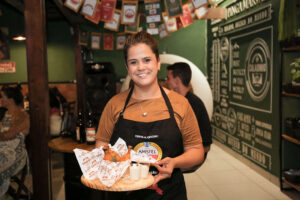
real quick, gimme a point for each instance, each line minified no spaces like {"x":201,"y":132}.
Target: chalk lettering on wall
{"x":224,"y":49}
{"x":251,"y":83}
{"x":256,"y":155}
{"x":218,"y":116}
{"x":231,"y":121}
{"x":215,"y":69}
{"x":224,"y":137}
{"x":241,"y":6}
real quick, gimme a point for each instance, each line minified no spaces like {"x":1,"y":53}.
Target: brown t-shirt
{"x":156,"y":109}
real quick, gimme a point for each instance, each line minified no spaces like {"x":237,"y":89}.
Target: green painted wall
{"x":60,"y":52}
{"x":60,"y":48}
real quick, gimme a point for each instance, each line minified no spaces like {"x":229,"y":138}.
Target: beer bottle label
{"x":90,"y":134}
{"x":77,"y":133}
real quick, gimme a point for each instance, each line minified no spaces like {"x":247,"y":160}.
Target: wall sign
{"x":7,"y":67}
{"x":241,"y":75}
{"x":250,"y":72}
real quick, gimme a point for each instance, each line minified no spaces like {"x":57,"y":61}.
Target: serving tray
{"x":124,"y":184}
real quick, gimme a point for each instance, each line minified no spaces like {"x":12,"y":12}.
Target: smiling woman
{"x":153,"y":119}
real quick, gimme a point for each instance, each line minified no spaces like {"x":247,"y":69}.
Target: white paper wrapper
{"x":89,"y":161}
{"x":120,"y":147}
{"x":141,"y":157}
{"x":110,"y":172}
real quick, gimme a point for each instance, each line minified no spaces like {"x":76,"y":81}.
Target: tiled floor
{"x":221,"y":177}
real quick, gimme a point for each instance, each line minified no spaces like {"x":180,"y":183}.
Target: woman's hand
{"x":165,"y":168}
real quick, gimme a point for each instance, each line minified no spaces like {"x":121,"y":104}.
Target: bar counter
{"x":67,"y":145}
{"x":74,"y":189}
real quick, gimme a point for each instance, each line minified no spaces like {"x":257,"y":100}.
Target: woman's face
{"x":142,"y":65}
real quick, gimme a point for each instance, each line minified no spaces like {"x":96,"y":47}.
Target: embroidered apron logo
{"x":149,"y":148}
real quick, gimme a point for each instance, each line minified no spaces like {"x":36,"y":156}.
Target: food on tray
{"x":127,"y":155}
{"x":110,"y":154}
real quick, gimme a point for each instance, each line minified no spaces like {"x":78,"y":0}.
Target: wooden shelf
{"x":292,"y":48}
{"x":296,"y":186}
{"x":290,"y":94}
{"x":292,"y":44}
{"x":291,"y":139}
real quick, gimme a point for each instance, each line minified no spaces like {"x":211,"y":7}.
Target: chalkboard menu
{"x":242,"y":55}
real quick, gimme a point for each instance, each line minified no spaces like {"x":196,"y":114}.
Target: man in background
{"x":178,"y":79}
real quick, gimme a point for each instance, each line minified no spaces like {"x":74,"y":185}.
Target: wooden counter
{"x":74,"y":189}
{"x":66,"y":145}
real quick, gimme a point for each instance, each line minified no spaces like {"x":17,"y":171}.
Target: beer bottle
{"x":90,"y":129}
{"x":26,"y":103}
{"x":80,"y":131}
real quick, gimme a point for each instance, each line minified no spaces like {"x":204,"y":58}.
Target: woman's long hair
{"x":14,"y":93}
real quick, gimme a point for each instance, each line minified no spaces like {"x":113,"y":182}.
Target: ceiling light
{"x":19,"y":38}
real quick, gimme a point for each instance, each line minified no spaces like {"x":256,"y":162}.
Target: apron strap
{"x":167,"y":102}
{"x":127,"y":100}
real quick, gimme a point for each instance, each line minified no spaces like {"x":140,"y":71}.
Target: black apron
{"x":159,"y":139}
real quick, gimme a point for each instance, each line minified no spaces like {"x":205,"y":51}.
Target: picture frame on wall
{"x":73,"y":5}
{"x":186,"y":17}
{"x":107,"y":10}
{"x":108,"y":41}
{"x":129,"y":12}
{"x":163,"y":31}
{"x":153,"y":11}
{"x":201,"y":12}
{"x":89,"y":7}
{"x":95,"y":40}
{"x":173,"y":7}
{"x":97,"y":14}
{"x":121,"y":38}
{"x":192,"y":9}
{"x":199,"y":3}
{"x":152,"y":28}
{"x":115,"y":23}
{"x":170,"y":23}
{"x":179,"y":23}
{"x":133,"y":28}
{"x":83,"y":38}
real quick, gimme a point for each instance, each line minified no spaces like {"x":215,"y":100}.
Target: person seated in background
{"x":13,"y":129}
{"x":56,"y":110}
{"x":178,"y":79}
